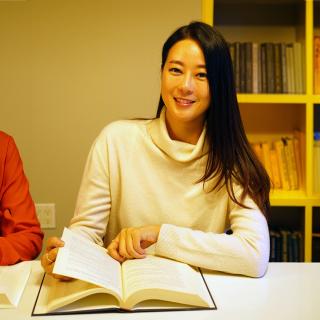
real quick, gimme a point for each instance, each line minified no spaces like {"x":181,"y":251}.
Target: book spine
{"x":290,"y":71}
{"x":275,"y":169}
{"x":292,"y":164}
{"x":282,"y":163}
{"x":284,"y":68}
{"x":255,"y":69}
{"x":272,"y":246}
{"x":277,"y":68}
{"x":242,"y":68}
{"x":297,"y":66}
{"x":257,"y":148}
{"x":270,"y":68}
{"x":248,"y":75}
{"x":266,"y":158}
{"x":297,"y":155}
{"x":263,"y":68}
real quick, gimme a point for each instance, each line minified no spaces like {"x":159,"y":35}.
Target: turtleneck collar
{"x":177,"y":150}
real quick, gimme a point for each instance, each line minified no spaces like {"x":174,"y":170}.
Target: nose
{"x":187,"y":84}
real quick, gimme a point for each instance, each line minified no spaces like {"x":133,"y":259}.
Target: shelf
{"x":295,"y":198}
{"x":275,"y":98}
{"x":316,"y":98}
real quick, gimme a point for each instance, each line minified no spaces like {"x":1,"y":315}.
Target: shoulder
{"x":7,"y":144}
{"x":4,"y":138}
{"x":123,"y":130}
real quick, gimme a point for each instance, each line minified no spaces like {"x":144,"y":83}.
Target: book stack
{"x":282,"y":161}
{"x":268,"y":67}
{"x":316,"y":162}
{"x":286,"y":246}
{"x":316,"y":64}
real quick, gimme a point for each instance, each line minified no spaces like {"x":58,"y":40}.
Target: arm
{"x":20,"y":233}
{"x":94,"y":201}
{"x":92,"y":208}
{"x":245,"y":252}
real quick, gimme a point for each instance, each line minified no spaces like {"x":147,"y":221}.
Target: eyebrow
{"x":181,"y":63}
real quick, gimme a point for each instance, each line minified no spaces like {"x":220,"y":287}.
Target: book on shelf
{"x":275,"y":169}
{"x":297,"y":55}
{"x":277,"y":68}
{"x":283,"y":167}
{"x":102,"y":284}
{"x":266,"y":147}
{"x":13,"y":280}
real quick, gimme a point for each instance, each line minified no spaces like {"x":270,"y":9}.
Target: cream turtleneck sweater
{"x":136,"y":175}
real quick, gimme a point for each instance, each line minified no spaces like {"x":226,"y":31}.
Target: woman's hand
{"x":48,"y":259}
{"x":131,"y":242}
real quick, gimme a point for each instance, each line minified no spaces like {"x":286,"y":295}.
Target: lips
{"x":184,"y":102}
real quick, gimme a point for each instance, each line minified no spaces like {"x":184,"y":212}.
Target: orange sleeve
{"x":20,"y":233}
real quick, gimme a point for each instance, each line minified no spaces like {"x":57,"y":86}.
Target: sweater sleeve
{"x":20,"y":233}
{"x":94,"y":200}
{"x":245,"y":251}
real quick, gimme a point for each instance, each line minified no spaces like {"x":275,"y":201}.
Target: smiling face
{"x":184,"y":85}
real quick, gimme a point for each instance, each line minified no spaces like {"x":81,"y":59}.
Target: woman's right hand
{"x":49,"y":258}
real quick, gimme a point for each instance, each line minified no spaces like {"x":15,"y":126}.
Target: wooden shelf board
{"x":273,"y":98}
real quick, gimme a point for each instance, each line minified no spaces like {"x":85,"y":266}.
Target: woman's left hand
{"x":131,"y":242}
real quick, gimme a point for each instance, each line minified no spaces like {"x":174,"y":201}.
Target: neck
{"x":186,"y":132}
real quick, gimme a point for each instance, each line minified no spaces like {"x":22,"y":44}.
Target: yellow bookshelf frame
{"x":302,"y":198}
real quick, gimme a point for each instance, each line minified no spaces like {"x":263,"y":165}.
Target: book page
{"x":13,"y":280}
{"x":85,"y":260}
{"x":76,"y":295}
{"x":159,"y":278}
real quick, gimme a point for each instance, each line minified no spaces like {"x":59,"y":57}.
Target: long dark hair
{"x":230,"y":156}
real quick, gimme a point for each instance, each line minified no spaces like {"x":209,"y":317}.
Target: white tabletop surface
{"x":287,"y":291}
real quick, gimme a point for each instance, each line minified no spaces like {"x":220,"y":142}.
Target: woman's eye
{"x":202,"y":75}
{"x":175,"y":70}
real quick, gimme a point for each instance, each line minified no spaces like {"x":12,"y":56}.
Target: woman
{"x":180,"y":180}
{"x":20,"y":233}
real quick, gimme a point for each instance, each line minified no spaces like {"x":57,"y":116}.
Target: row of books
{"x":282,"y":161}
{"x":316,"y":42}
{"x":286,"y":246}
{"x":268,"y":67}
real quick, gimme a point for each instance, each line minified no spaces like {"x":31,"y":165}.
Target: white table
{"x":287,"y":291}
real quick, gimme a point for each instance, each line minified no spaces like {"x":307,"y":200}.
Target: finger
{"x":61,"y":278}
{"x":129,"y":243}
{"x":44,"y":262}
{"x":54,"y":242}
{"x":136,"y":243}
{"x":113,"y":251}
{"x":52,"y":254}
{"x":122,"y":245}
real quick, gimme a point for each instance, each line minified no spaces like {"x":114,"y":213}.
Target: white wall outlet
{"x":46,"y":215}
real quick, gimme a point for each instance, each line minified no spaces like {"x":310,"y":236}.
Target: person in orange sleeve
{"x":20,"y":232}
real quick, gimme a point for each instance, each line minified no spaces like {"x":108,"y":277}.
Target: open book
{"x":102,"y":284}
{"x":13,"y":280}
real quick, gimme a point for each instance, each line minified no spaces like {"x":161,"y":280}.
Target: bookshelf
{"x":275,"y":21}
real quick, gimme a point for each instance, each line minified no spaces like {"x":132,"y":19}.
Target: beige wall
{"x":69,"y":67}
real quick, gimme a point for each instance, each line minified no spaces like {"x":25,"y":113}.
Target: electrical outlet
{"x":46,"y":215}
